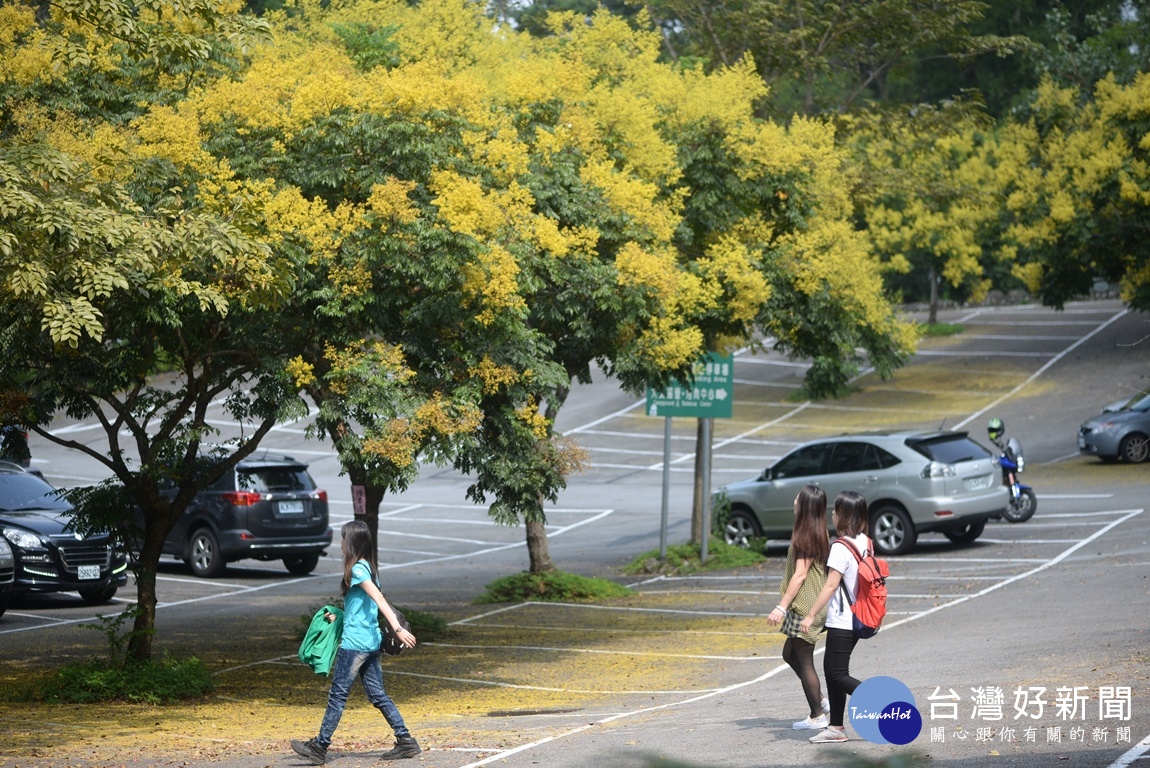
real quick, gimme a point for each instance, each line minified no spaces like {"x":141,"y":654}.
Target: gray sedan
{"x":914,"y":482}
{"x":1121,"y":431}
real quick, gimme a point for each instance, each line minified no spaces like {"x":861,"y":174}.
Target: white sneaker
{"x":829,"y":735}
{"x":812,"y":723}
{"x":826,"y":706}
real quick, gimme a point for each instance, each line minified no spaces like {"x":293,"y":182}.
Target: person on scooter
{"x":995,"y":429}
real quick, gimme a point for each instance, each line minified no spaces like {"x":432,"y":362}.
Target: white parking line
{"x":1137,"y":752}
{"x":597,"y":651}
{"x":1124,"y":762}
{"x":521,"y":687}
{"x":1045,"y":367}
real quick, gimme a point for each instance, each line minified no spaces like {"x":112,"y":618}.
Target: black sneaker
{"x":310,"y":749}
{"x":405,"y":746}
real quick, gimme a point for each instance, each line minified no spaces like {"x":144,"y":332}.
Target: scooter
{"x":1023,"y":503}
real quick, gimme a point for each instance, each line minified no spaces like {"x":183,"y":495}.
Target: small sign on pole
{"x":711,"y":396}
{"x":359,"y":500}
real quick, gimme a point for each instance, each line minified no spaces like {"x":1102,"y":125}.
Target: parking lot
{"x":512,"y":681}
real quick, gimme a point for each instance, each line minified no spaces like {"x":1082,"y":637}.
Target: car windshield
{"x":270,"y":479}
{"x":1140,"y":402}
{"x":950,"y":449}
{"x":21,"y":492}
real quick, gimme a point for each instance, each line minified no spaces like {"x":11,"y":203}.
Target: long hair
{"x":809,"y":537}
{"x":851,"y":509}
{"x":357,"y":545}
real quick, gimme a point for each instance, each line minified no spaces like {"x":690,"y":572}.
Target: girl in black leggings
{"x":850,"y":519}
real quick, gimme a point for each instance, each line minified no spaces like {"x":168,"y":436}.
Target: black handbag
{"x":391,"y":645}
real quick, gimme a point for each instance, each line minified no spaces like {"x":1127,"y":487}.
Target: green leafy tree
{"x":1076,"y":189}
{"x":818,"y":56}
{"x":116,"y":268}
{"x":926,"y":201}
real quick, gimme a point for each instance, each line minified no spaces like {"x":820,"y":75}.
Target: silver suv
{"x":914,"y":482}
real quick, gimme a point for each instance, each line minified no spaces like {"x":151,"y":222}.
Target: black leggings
{"x":800,"y":655}
{"x":837,"y":668}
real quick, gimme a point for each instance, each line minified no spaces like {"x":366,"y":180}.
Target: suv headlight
{"x":938,"y":469}
{"x":23,"y":539}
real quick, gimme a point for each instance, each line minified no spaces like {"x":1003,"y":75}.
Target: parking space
{"x":525,"y":673}
{"x":950,"y":381}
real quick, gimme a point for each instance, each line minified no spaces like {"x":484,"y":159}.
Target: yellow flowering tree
{"x":927,"y":196}
{"x":1075,"y":175}
{"x":116,"y":263}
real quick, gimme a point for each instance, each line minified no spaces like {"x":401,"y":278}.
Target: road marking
{"x":1137,"y":752}
{"x":1046,"y":366}
{"x":597,"y":651}
{"x":521,"y":687}
{"x":1123,"y":762}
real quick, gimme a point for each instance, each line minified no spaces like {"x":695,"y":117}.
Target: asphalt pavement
{"x":1027,"y":648}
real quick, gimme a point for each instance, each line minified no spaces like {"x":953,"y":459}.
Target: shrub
{"x":166,"y":681}
{"x":551,"y":586}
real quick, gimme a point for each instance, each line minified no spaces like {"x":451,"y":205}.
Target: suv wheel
{"x":892,"y":531}
{"x":965,"y":534}
{"x":741,"y":528}
{"x":98,"y":595}
{"x":301,"y":565}
{"x":204,"y":557}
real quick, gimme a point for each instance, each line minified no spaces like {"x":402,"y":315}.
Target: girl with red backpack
{"x":850,"y":521}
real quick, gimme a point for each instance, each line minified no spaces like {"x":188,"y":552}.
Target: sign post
{"x":711,"y":396}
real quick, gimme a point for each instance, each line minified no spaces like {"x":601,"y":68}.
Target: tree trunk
{"x":538,"y":551}
{"x":144,"y":628}
{"x":698,"y":500}
{"x":373,"y":497}
{"x":933,"y":318}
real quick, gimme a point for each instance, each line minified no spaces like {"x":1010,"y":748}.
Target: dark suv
{"x":47,"y":554}
{"x":267,"y":508}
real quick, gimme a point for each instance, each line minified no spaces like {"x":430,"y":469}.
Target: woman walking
{"x":803,"y":580}
{"x":358,"y":654}
{"x":850,"y":520}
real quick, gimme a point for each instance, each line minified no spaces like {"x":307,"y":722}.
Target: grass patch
{"x":931,"y":330}
{"x":164,"y":681}
{"x":553,"y":586}
{"x":684,"y":558}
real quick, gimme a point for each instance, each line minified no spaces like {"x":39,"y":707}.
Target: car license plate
{"x":291,"y":507}
{"x":1081,"y":441}
{"x":979,"y":483}
{"x":86,"y":572}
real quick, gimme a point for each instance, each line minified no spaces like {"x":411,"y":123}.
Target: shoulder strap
{"x":855,"y":550}
{"x":858,"y":557}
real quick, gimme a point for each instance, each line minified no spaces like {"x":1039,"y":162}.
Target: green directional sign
{"x":711,"y":397}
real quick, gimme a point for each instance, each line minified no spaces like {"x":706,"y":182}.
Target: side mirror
{"x":766,"y":475}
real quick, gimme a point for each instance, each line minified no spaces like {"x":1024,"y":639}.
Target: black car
{"x":48,"y":554}
{"x":267,"y":508}
{"x":7,"y":573}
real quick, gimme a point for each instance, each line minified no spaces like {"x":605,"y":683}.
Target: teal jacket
{"x":322,"y":639}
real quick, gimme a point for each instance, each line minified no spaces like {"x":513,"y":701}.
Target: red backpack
{"x":869,"y":606}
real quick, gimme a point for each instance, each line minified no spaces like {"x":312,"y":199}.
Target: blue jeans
{"x":364,"y":665}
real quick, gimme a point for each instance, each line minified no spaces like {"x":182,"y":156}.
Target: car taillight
{"x":319,"y":495}
{"x":938,"y":469}
{"x":240,"y":498}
